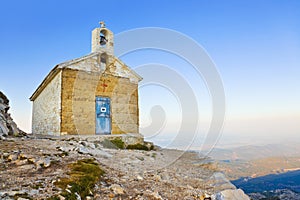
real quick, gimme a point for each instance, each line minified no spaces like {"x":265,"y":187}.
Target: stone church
{"x":93,"y":94}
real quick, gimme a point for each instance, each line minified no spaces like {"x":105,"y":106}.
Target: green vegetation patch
{"x":147,"y":146}
{"x":153,"y":155}
{"x":26,"y":196}
{"x":116,"y":143}
{"x":138,"y":146}
{"x":83,"y":176}
{"x":54,"y":198}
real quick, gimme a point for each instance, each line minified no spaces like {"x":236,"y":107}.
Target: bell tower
{"x":102,"y":40}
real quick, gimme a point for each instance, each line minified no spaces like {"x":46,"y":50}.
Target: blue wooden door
{"x":103,"y":121}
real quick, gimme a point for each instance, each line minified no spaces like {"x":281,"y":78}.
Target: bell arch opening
{"x":103,"y":38}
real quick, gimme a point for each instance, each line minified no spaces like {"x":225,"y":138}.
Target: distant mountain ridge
{"x":251,"y":152}
{"x":288,"y":180}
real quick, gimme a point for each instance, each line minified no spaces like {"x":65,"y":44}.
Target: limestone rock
{"x":83,"y":150}
{"x":117,"y":189}
{"x":7,"y":125}
{"x":8,"y":194}
{"x":43,"y":162}
{"x":12,"y":157}
{"x":77,"y":196}
{"x":155,"y":195}
{"x":93,"y":151}
{"x":140,"y":178}
{"x":232,"y":195}
{"x":61,"y":197}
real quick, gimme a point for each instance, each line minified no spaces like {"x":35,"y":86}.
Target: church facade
{"x":91,"y":95}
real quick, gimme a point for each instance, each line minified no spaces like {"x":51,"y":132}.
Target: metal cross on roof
{"x":102,"y":24}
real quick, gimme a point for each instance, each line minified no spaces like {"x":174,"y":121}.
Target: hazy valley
{"x":263,"y":171}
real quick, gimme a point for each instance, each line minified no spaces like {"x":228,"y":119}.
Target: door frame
{"x":110,"y":115}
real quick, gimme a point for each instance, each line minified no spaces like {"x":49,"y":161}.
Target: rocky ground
{"x":31,"y":167}
{"x":78,"y":167}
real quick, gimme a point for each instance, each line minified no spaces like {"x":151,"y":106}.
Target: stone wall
{"x":78,"y":101}
{"x":124,"y":103}
{"x":80,"y":89}
{"x":47,"y":109}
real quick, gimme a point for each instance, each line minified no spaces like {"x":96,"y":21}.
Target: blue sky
{"x":254,"y":44}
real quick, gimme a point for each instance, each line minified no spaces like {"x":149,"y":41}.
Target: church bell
{"x":103,"y":40}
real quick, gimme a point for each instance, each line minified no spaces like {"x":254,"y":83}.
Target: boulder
{"x":231,"y":194}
